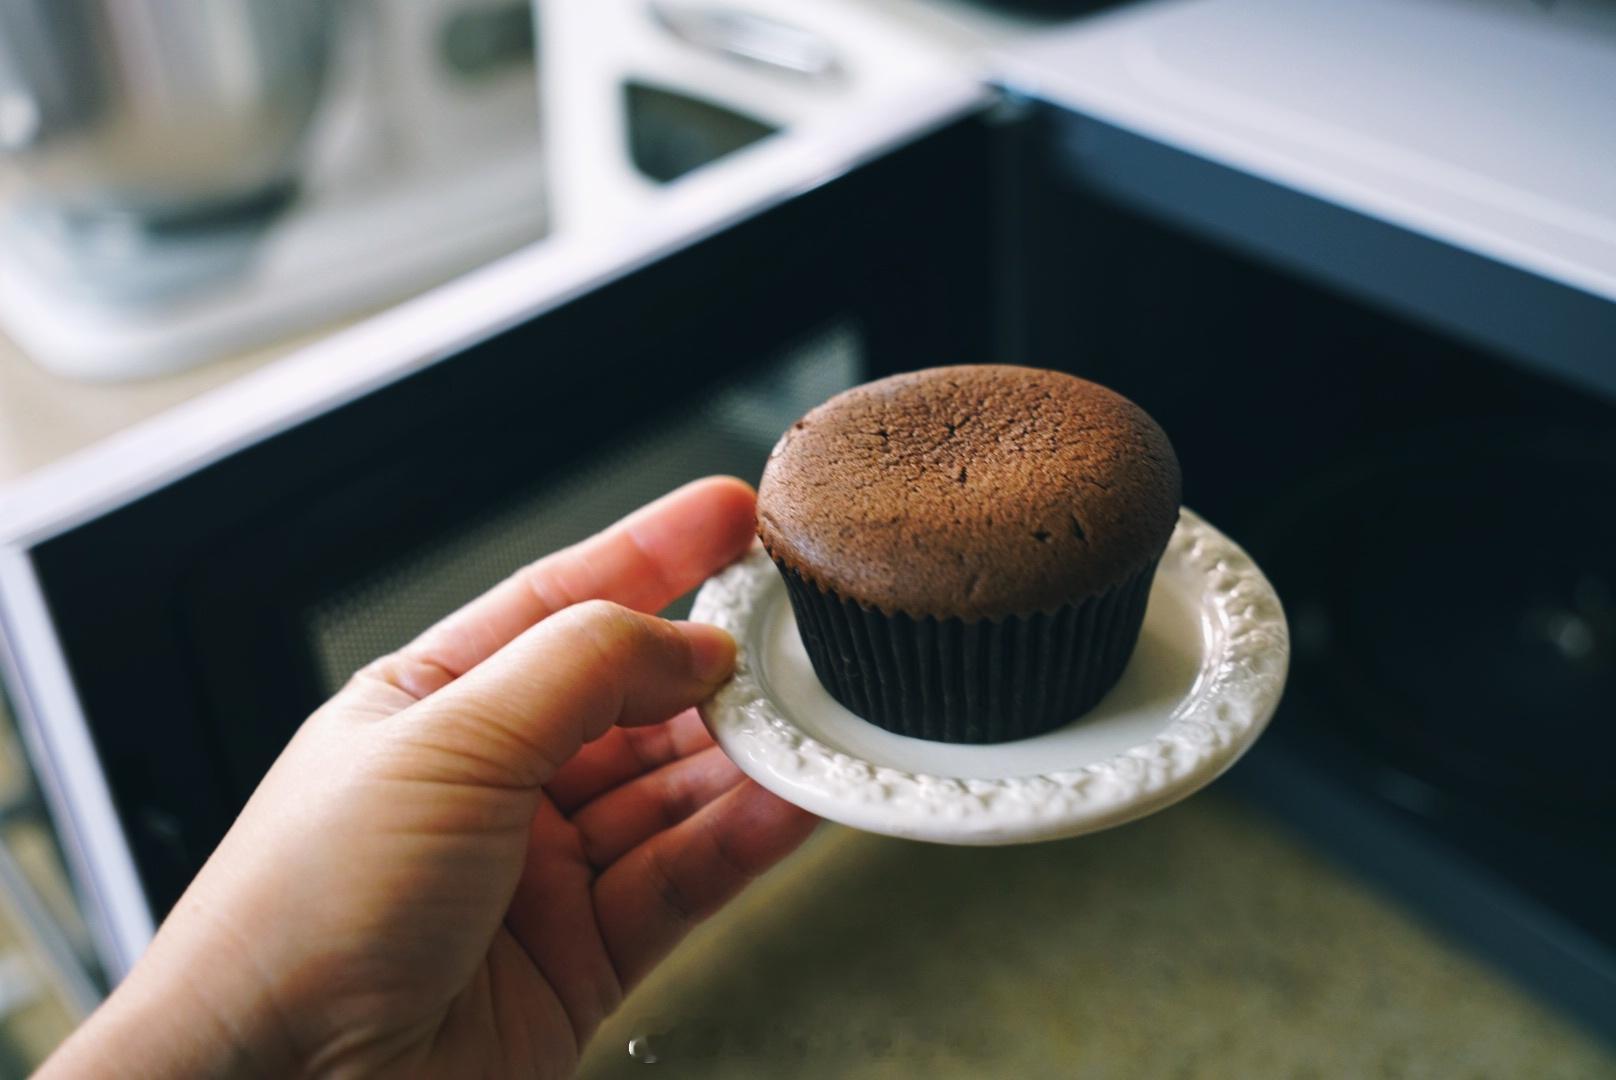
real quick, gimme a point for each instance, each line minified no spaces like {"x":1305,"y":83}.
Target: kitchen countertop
{"x":1205,"y":941}
{"x":44,"y":416}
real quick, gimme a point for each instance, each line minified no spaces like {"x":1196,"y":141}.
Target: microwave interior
{"x":1434,"y":513}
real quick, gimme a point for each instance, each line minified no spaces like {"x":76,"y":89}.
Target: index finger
{"x":645,"y":561}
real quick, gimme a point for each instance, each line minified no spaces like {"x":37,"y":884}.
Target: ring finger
{"x":627,"y":816}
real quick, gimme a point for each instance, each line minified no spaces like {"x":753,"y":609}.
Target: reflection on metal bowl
{"x":161,"y":109}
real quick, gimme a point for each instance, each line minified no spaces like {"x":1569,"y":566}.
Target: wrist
{"x":171,"y":1017}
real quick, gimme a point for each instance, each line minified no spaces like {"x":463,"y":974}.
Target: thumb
{"x":515,"y":718}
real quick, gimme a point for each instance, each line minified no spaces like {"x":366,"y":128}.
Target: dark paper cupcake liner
{"x":982,"y":681}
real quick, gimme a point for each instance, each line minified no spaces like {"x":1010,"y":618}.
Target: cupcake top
{"x":977,"y":491}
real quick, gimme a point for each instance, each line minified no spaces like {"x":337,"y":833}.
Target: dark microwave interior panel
{"x":730,"y":432}
{"x":201,"y":623}
{"x":1437,"y":519}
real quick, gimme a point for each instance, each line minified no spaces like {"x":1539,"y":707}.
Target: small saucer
{"x":1201,"y":686}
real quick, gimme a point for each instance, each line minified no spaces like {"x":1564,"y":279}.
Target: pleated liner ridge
{"x":983,"y":681}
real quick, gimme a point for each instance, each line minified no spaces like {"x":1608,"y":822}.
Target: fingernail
{"x":712,"y":651}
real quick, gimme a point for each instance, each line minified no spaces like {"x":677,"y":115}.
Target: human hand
{"x":462,"y":861}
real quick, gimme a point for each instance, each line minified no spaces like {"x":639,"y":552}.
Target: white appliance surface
{"x":1488,"y":124}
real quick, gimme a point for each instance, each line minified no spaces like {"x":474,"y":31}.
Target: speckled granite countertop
{"x":1202,"y":942}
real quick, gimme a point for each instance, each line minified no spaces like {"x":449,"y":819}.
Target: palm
{"x":638,"y":837}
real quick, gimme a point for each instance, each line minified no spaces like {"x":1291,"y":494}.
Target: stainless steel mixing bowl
{"x":163,"y":109}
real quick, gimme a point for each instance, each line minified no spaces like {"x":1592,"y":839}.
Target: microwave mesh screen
{"x":732,"y":434}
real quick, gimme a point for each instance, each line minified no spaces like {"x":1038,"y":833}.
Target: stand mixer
{"x":240,"y":170}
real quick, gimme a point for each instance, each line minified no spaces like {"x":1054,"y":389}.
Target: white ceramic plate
{"x":1200,"y":688}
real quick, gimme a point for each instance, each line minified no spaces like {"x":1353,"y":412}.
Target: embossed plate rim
{"x":1229,"y":705}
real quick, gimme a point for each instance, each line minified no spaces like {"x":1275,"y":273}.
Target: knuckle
{"x":548,"y":580}
{"x":386,"y":670}
{"x":603,"y":632}
{"x":601,"y":623}
{"x":381,"y":669}
{"x":416,"y":672}
{"x":612,"y":628}
{"x":599,"y":611}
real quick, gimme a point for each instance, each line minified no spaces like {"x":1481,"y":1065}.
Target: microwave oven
{"x":1384,"y":346}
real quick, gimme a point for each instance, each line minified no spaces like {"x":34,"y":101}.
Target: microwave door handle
{"x":591,"y":185}
{"x":750,"y":36}
{"x":591,"y":52}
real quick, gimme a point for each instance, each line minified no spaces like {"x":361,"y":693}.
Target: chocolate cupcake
{"x":969,"y":549}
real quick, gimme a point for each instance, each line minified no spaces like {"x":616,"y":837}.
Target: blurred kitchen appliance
{"x":200,"y":177}
{"x":636,"y":93}
{"x":1369,"y":327}
{"x":161,"y":113}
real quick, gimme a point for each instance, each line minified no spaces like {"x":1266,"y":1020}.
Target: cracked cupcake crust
{"x":977,"y":491}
